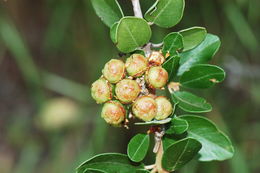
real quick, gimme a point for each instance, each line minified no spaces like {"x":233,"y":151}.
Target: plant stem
{"x":137,"y":8}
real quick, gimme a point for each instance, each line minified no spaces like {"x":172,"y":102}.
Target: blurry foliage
{"x":55,"y":48}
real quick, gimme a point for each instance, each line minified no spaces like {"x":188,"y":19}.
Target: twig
{"x":158,"y":45}
{"x":137,"y":8}
{"x":149,"y":167}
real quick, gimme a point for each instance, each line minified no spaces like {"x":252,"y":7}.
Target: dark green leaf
{"x":180,"y":153}
{"x":165,"y":13}
{"x":192,"y":37}
{"x":202,"y":76}
{"x":171,"y":43}
{"x":138,"y":147}
{"x":177,"y":126}
{"x":171,"y":65}
{"x":110,"y":162}
{"x":199,"y":55}
{"x":154,"y":122}
{"x":215,"y":144}
{"x":94,"y":171}
{"x":132,"y":32}
{"x":113,"y":32}
{"x":190,"y":102}
{"x":108,"y":10}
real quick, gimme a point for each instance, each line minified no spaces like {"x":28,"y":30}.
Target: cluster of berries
{"x":132,"y":85}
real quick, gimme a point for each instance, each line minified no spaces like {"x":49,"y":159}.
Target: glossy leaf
{"x":113,"y":32}
{"x":94,"y":171}
{"x":202,"y":76}
{"x":165,"y":13}
{"x":192,"y":37}
{"x":199,"y":55}
{"x":138,"y":147}
{"x":132,"y":32}
{"x":171,"y":65}
{"x":190,"y":102}
{"x":215,"y":144}
{"x":108,"y":10}
{"x":177,"y":126}
{"x":109,"y":162}
{"x":171,"y":43}
{"x":155,"y":122}
{"x":180,"y":153}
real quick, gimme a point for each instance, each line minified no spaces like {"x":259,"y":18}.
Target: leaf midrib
{"x":194,"y":105}
{"x":202,"y":77}
{"x":139,"y":146}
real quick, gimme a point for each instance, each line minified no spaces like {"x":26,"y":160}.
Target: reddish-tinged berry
{"x":164,"y":108}
{"x":114,"y":70}
{"x":156,"y":77}
{"x":101,"y":90}
{"x":136,"y":65}
{"x":156,"y":58}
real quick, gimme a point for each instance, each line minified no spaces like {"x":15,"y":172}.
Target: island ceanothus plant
{"x":128,"y":85}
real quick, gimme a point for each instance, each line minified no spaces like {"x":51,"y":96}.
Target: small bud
{"x":101,"y":90}
{"x":136,"y":65}
{"x":145,"y":108}
{"x":114,"y":70}
{"x":113,"y":113}
{"x":156,"y":77}
{"x":164,"y":108}
{"x":127,"y":90}
{"x":156,"y":58}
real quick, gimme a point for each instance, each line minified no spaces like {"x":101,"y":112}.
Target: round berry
{"x":156,"y":77}
{"x":156,"y":58}
{"x":114,"y":70}
{"x":144,"y":108}
{"x":127,"y":90}
{"x":136,"y":65}
{"x":164,"y":108}
{"x":101,"y":90}
{"x":113,"y":113}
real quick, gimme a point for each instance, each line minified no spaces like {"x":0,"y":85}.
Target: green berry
{"x":164,"y":108}
{"x":101,"y":90}
{"x":127,"y":90}
{"x":113,"y":113}
{"x":156,"y":58}
{"x":145,"y":108}
{"x":114,"y":70}
{"x":156,"y":77}
{"x":136,"y":65}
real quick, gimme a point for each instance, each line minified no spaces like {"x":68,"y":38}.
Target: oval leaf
{"x":132,"y":32}
{"x":190,"y":102}
{"x":215,"y":144}
{"x":171,"y":43}
{"x":180,"y":153}
{"x":138,"y":147}
{"x":108,"y":10}
{"x":202,"y":76}
{"x":177,"y":126}
{"x":109,"y":162}
{"x":192,"y":37}
{"x":199,"y":55}
{"x":165,"y":13}
{"x":171,"y":65}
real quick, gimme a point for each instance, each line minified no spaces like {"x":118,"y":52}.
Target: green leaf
{"x":113,"y":32}
{"x":132,"y":32}
{"x":155,"y":122}
{"x":94,"y":171}
{"x":202,"y":76}
{"x":192,"y":37}
{"x":199,"y":55}
{"x":171,"y":65}
{"x":109,"y":162}
{"x":138,"y":147}
{"x":177,"y":126}
{"x":165,"y":13}
{"x":171,"y":43}
{"x":180,"y":153}
{"x":215,"y":144}
{"x":108,"y":10}
{"x":190,"y":102}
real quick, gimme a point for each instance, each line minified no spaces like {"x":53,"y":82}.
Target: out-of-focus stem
{"x":137,"y":8}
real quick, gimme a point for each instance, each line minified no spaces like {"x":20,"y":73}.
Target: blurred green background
{"x":52,"y":50}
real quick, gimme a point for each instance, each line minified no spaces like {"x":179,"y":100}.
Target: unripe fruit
{"x":156,"y":58}
{"x":164,"y":108}
{"x":156,"y":77}
{"x":114,"y":70}
{"x":144,"y":108}
{"x":101,"y":90}
{"x":127,"y":90}
{"x":113,"y":113}
{"x":136,"y":65}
